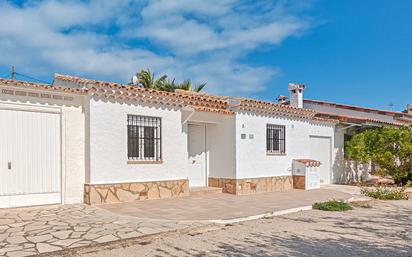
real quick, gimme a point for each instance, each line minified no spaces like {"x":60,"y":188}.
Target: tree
{"x":388,"y":147}
{"x":187,"y":85}
{"x":146,"y":79}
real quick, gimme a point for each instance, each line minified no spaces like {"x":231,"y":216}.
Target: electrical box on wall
{"x":305,"y":174}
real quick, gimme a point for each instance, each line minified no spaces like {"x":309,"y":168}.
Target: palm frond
{"x":199,"y":87}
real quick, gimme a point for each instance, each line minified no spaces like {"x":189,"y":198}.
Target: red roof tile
{"x":309,"y":162}
{"x":18,"y":83}
{"x":358,"y":108}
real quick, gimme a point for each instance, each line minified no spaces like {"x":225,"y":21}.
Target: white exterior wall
{"x":346,"y":112}
{"x":345,"y":171}
{"x":338,"y":167}
{"x":108,"y":144}
{"x":73,"y":178}
{"x":251,"y":158}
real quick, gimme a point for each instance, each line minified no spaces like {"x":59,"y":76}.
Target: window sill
{"x":276,"y":154}
{"x":144,"y":162}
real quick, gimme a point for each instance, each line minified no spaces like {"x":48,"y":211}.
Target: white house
{"x":353,"y":119}
{"x":81,"y":140}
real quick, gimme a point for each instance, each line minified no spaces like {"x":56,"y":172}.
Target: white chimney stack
{"x":296,"y":95}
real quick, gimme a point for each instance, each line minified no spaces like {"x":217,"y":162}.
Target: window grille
{"x":144,"y":138}
{"x":275,"y":139}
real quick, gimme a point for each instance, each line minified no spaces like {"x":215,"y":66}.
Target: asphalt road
{"x":383,"y":230}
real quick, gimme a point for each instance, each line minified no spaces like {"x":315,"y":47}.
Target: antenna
{"x":13,"y":73}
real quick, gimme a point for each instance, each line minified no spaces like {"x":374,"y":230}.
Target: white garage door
{"x":320,"y":150}
{"x":29,"y":158}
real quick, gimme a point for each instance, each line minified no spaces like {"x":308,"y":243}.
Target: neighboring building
{"x":81,"y":140}
{"x":352,"y":120}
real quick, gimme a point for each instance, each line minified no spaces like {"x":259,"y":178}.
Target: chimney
{"x":408,"y":109}
{"x":296,"y":95}
{"x":282,"y":99}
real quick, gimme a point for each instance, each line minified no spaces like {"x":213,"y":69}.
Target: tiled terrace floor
{"x":33,"y":230}
{"x":222,"y":206}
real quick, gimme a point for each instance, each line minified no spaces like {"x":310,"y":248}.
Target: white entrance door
{"x":29,"y":158}
{"x":320,"y":150}
{"x":197,"y":155}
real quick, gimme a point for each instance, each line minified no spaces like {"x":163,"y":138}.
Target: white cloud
{"x":201,"y":40}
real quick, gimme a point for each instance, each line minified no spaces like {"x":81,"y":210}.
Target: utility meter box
{"x":305,"y":174}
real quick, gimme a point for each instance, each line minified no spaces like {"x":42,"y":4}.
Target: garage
{"x":321,"y":150}
{"x":30,"y":156}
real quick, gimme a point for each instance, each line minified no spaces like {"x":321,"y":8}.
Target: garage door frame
{"x":46,"y":198}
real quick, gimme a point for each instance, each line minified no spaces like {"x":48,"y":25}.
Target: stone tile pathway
{"x":223,"y":206}
{"x":33,"y":230}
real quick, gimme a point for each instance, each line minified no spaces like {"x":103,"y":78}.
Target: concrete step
{"x":204,"y":190}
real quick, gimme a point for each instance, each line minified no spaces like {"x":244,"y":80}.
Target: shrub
{"x":385,"y":193}
{"x":332,"y":205}
{"x":390,"y":148}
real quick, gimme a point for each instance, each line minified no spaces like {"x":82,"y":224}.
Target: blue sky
{"x":348,"y":51}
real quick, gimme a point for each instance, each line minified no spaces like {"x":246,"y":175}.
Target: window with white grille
{"x":275,"y":139}
{"x":144,"y":138}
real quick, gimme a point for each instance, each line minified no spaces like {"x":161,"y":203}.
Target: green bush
{"x":388,"y":147}
{"x":332,"y":205}
{"x":385,"y":193}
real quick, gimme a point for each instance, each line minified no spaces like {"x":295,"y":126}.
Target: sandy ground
{"x":383,"y":230}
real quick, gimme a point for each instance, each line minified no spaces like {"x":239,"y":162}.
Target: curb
{"x":265,"y":215}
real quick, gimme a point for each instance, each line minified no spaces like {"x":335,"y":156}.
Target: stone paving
{"x":33,"y":230}
{"x":223,"y":206}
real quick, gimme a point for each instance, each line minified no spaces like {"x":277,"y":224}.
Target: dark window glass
{"x":275,"y":138}
{"x":143,"y":138}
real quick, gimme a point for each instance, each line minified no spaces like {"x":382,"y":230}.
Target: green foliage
{"x":388,"y":147}
{"x":332,"y":205}
{"x":146,"y":79}
{"x":386,"y":193}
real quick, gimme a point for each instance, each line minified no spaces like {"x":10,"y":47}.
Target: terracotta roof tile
{"x":309,"y":162}
{"x":358,"y":108}
{"x":18,"y":83}
{"x":345,"y":118}
{"x":179,"y":98}
{"x":269,"y":108}
{"x":199,"y":101}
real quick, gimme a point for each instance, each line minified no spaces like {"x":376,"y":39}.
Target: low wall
{"x":134,"y":191}
{"x":299,"y":182}
{"x":252,"y":185}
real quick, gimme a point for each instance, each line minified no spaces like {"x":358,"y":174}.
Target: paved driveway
{"x":383,"y":230}
{"x":28,"y":231}
{"x":34,"y":230}
{"x":222,"y":206}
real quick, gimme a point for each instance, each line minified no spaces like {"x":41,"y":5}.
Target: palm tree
{"x":146,"y":79}
{"x":188,"y":86}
